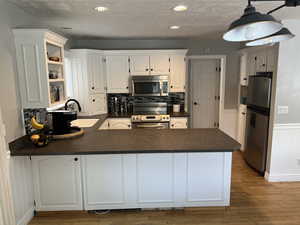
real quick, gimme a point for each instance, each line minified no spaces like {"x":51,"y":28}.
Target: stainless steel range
{"x":150,"y":116}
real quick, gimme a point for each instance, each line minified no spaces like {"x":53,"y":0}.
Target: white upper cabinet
{"x":261,"y":61}
{"x":243,"y":70}
{"x":57,"y":183}
{"x":159,"y":64}
{"x":88,"y":80}
{"x":177,"y":73}
{"x":40,"y":62}
{"x":96,"y":77}
{"x":152,"y":64}
{"x":140,"y":65}
{"x":251,"y":64}
{"x":272,"y":54}
{"x":117,"y":70}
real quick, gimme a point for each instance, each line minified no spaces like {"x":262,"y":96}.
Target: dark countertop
{"x":128,"y":115}
{"x":96,"y":141}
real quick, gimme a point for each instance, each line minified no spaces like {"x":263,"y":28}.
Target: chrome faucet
{"x":72,"y":100}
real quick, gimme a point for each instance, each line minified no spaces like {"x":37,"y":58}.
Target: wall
{"x":284,"y":158}
{"x":11,"y":16}
{"x":195,"y":47}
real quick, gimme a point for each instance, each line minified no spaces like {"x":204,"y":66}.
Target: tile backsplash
{"x":40,"y":115}
{"x":173,"y":98}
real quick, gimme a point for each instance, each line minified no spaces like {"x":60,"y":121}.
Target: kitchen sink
{"x":84,"y":123}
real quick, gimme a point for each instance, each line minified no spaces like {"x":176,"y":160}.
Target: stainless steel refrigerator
{"x":257,"y":128}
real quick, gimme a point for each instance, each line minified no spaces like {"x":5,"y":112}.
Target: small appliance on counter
{"x":61,"y":122}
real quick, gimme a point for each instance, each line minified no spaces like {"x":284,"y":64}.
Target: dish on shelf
{"x":54,"y":58}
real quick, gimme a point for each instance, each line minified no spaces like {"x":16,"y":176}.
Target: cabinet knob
{"x":151,"y":69}
{"x":127,"y":87}
{"x":172,"y":125}
{"x":171,"y":86}
{"x":93,"y":88}
{"x":245,"y":79}
{"x":75,"y":159}
{"x":147,"y":69}
{"x":195,"y":103}
{"x":243,"y":113}
{"x":129,"y":125}
{"x":93,"y":100}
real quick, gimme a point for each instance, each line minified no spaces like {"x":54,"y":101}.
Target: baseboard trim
{"x":27,"y":217}
{"x":282,"y":177}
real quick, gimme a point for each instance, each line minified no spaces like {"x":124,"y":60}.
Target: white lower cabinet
{"x":156,"y":180}
{"x":155,"y":183}
{"x":179,"y":123}
{"x":57,"y":183}
{"x":108,"y":181}
{"x":121,"y":181}
{"x":120,"y":123}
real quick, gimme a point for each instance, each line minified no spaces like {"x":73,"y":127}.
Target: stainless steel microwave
{"x":151,"y":85}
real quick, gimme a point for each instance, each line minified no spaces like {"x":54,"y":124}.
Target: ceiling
{"x":143,"y":18}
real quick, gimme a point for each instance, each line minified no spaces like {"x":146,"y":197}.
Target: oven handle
{"x":149,"y":126}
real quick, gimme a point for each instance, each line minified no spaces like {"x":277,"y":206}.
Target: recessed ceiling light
{"x":174,"y":27}
{"x":180,"y":8}
{"x":101,"y":9}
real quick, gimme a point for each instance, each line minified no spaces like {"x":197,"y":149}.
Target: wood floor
{"x":253,"y":202}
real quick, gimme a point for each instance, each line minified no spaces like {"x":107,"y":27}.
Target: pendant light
{"x":252,"y":25}
{"x":282,"y":35}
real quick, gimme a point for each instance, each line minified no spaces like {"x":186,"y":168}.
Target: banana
{"x":35,"y":124}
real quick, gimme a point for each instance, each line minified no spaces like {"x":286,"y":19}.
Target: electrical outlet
{"x":283,"y":110}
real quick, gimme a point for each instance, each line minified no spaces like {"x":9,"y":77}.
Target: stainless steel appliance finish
{"x":150,"y":108}
{"x":151,"y":85}
{"x":257,"y":128}
{"x":150,"y":121}
{"x":259,"y":94}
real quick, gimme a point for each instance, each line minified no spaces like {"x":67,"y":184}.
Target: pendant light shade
{"x":252,"y":25}
{"x":282,"y":35}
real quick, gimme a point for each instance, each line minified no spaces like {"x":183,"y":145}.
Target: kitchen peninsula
{"x":122,"y":169}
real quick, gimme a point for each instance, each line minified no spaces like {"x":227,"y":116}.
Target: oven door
{"x":146,"y":88}
{"x":150,"y":125}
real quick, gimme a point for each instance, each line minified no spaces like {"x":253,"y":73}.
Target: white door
{"x":155,"y":178}
{"x":205,"y":82}
{"x":159,"y":64}
{"x":178,"y":123}
{"x":104,"y":180}
{"x":117,"y":68}
{"x":177,"y":73}
{"x":57,"y":183}
{"x":96,"y":76}
{"x":119,"y":124}
{"x":204,"y":180}
{"x":97,"y":104}
{"x":139,"y":65}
